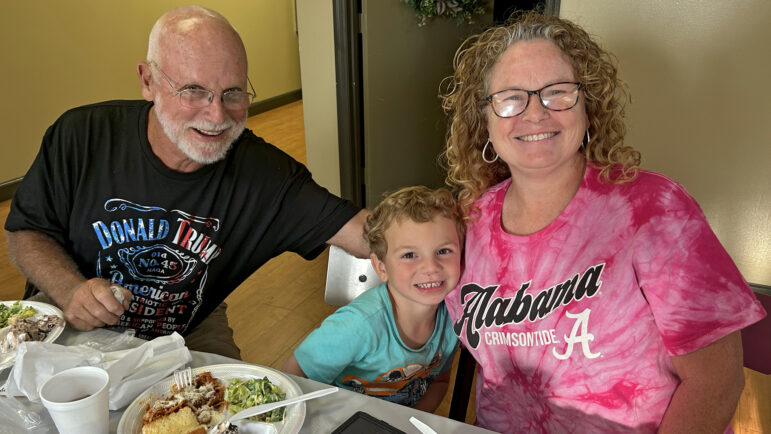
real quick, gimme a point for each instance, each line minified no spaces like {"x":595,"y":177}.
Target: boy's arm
{"x":435,"y":393}
{"x":292,"y":367}
{"x":328,"y":350}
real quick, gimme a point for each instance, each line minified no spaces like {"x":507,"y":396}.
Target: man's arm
{"x":87,"y":304}
{"x":711,"y":381}
{"x":350,"y":236}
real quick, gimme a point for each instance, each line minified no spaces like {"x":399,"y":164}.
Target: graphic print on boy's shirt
{"x":483,"y":311}
{"x":160,"y":256}
{"x":404,"y":385}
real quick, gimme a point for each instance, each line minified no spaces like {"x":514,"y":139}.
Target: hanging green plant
{"x":461,"y":10}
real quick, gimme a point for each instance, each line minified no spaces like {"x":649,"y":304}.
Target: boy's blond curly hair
{"x":419,"y":204}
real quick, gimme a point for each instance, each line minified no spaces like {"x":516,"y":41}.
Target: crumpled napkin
{"x":131,"y":371}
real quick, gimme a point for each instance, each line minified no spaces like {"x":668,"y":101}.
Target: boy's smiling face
{"x":422,"y":263}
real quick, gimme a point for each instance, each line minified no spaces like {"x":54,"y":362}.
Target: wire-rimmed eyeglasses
{"x":192,"y":96}
{"x":561,"y":96}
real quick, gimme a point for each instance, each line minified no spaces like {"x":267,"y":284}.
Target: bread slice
{"x":182,"y":421}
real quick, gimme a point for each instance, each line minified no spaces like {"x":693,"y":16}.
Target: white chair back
{"x":347,"y":277}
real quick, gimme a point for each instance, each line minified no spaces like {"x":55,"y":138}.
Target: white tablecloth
{"x":322,"y":415}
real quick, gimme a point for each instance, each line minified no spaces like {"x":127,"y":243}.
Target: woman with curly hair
{"x":595,"y":297}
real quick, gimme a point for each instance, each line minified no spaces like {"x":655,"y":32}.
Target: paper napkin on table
{"x":131,"y":371}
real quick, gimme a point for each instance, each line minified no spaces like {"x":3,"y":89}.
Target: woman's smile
{"x":537,"y":137}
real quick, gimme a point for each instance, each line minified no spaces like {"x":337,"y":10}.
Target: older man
{"x":169,"y":200}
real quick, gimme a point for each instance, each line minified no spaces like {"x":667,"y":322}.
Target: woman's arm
{"x":711,"y":381}
{"x":435,"y":393}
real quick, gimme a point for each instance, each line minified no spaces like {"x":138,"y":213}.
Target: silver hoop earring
{"x":484,"y":151}
{"x":588,"y":138}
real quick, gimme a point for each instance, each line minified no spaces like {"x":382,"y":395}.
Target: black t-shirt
{"x":180,"y":242}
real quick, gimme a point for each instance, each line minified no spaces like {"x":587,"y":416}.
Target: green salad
{"x":245,"y":393}
{"x":9,"y":315}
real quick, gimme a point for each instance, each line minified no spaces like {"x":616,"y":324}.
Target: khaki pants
{"x":212,"y":335}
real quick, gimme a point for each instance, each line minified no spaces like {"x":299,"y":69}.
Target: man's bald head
{"x":190,"y":28}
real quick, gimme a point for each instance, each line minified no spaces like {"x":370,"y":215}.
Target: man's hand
{"x":87,"y":304}
{"x":350,"y":237}
{"x":93,"y":304}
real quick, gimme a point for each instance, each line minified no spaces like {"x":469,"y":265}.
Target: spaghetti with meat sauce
{"x":204,"y":398}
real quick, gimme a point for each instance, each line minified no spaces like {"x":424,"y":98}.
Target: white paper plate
{"x":7,"y":359}
{"x":131,"y":421}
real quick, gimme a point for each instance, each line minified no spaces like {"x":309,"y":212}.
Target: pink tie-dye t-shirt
{"x":573,"y":326}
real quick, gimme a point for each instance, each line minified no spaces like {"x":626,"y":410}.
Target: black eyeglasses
{"x":198,"y":97}
{"x":561,"y":96}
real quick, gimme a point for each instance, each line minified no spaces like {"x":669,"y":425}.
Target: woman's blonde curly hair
{"x":463,"y":99}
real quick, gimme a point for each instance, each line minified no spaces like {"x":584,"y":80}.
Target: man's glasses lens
{"x":237,"y":99}
{"x":512,"y":102}
{"x":199,"y":98}
{"x":195,"y":98}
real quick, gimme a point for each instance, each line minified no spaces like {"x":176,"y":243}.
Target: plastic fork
{"x":183,"y":378}
{"x":422,"y":427}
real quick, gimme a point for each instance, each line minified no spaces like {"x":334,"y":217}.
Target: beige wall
{"x":317,"y":54}
{"x":60,"y":54}
{"x":701,"y":112}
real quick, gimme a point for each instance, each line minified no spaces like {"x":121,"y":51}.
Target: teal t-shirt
{"x":359,"y":348}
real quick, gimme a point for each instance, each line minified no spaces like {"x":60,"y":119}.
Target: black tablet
{"x":362,"y":422}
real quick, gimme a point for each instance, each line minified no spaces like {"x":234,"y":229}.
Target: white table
{"x":322,"y":415}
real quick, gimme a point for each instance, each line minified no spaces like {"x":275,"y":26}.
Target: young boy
{"x":395,"y":341}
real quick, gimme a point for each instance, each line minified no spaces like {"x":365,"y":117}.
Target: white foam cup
{"x":77,"y":400}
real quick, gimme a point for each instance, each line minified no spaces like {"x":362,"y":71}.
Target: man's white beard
{"x":202,"y":153}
